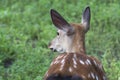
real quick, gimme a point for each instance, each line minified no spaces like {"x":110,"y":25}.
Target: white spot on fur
{"x":75,"y":66}
{"x":56,"y":62}
{"x":83,"y":76}
{"x":75,"y":56}
{"x":74,"y":63}
{"x":96,"y":77}
{"x":88,"y":61}
{"x":104,"y":78}
{"x":89,"y":76}
{"x":92,"y":75}
{"x":98,"y":65}
{"x":82,"y":62}
{"x":65,"y":56}
{"x":95,"y":63}
{"x":70,"y":69}
{"x":59,"y":57}
{"x":63,"y":63}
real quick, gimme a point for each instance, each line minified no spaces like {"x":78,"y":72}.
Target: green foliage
{"x":26,"y":29}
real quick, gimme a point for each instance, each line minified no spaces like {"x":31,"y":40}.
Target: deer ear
{"x":60,"y":22}
{"x":86,"y":19}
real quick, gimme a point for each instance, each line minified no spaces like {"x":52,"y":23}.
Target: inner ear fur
{"x":60,"y":22}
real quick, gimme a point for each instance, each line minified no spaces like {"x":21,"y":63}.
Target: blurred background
{"x":26,"y":29}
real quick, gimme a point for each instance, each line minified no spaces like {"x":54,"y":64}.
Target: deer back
{"x":73,"y":65}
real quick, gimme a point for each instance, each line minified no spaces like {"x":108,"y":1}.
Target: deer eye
{"x":57,"y":33}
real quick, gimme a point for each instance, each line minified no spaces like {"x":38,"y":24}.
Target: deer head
{"x":73,"y":64}
{"x":70,"y":37}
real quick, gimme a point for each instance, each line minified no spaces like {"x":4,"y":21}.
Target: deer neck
{"x":78,"y":45}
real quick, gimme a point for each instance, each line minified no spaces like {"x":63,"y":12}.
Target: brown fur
{"x":79,"y":38}
{"x":82,"y":70}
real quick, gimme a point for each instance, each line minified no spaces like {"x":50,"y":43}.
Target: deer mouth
{"x":61,"y":50}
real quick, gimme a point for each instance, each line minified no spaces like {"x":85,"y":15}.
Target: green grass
{"x":26,"y":29}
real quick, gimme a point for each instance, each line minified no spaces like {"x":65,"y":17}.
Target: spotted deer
{"x":73,"y":63}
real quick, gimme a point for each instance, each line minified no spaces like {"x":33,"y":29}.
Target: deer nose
{"x":53,"y":49}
